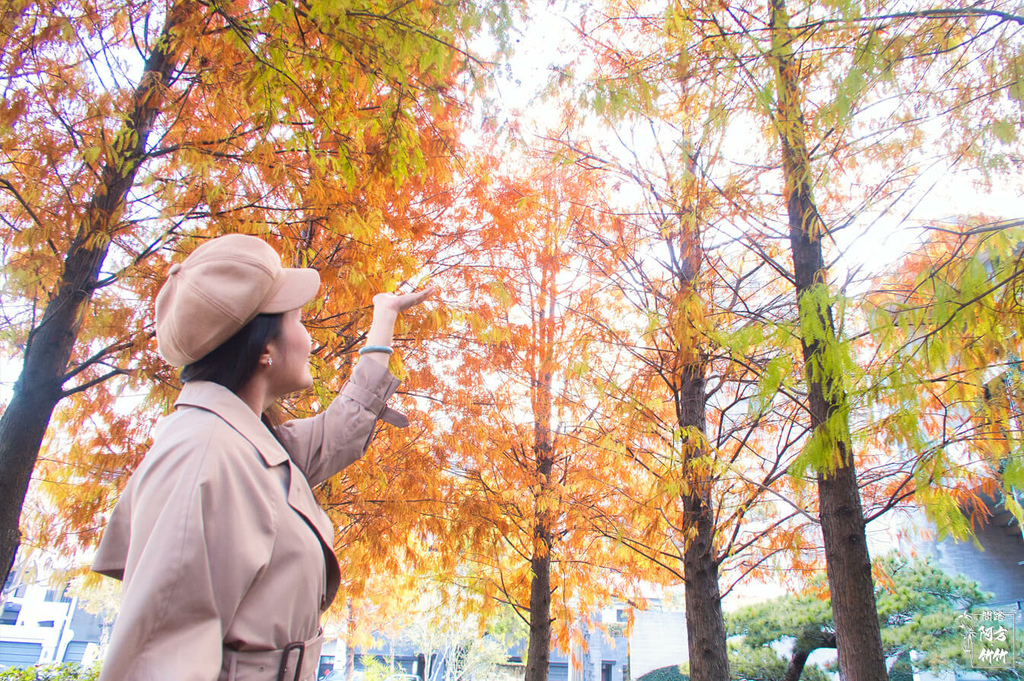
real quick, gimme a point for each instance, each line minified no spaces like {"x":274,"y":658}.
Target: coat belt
{"x":297,"y":661}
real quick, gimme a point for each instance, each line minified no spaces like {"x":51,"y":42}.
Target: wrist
{"x":383,"y":349}
{"x":384,"y":314}
{"x":381,"y":330}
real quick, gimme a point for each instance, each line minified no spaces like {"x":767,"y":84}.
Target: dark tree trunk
{"x":807,"y":643}
{"x":41,"y":384}
{"x":538,"y":655}
{"x":796,"y":665}
{"x":705,"y":626}
{"x":858,"y":638}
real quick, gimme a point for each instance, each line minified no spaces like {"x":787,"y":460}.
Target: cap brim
{"x":300,"y":286}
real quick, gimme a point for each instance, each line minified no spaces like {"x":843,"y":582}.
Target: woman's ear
{"x":266,"y":358}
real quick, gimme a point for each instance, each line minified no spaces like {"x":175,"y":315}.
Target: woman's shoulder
{"x":199,"y":440}
{"x":196,"y":428}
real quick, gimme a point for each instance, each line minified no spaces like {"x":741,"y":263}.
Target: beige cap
{"x":220,"y":288}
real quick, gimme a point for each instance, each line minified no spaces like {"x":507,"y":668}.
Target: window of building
{"x":75,"y":651}
{"x":15,"y":654}
{"x":10,"y":614}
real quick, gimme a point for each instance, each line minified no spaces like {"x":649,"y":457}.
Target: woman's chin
{"x":298,"y":386}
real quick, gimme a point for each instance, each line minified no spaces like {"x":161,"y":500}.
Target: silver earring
{"x":270,"y":361}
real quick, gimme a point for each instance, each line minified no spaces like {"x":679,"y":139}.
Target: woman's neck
{"x":256,"y":394}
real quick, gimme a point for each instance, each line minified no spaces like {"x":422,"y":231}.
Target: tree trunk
{"x":538,"y":656}
{"x":40,"y":386}
{"x":796,"y":665}
{"x":858,"y":638}
{"x":705,"y":626}
{"x":350,"y":648}
{"x":809,"y":641}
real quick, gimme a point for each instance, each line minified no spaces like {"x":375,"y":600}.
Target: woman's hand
{"x":386,"y":308}
{"x":398,"y":303}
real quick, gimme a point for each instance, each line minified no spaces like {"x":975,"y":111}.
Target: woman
{"x":226,"y":557}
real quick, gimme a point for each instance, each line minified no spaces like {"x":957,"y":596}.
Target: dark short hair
{"x":233,"y":362}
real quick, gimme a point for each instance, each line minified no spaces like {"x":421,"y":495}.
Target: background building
{"x":40,"y":624}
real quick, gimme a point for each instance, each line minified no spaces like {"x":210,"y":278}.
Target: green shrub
{"x":54,"y":672}
{"x":901,"y":669}
{"x":672,"y":672}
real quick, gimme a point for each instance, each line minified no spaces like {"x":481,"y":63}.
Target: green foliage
{"x":56,"y":672}
{"x":917,"y":603}
{"x":375,"y":669}
{"x":918,"y":609}
{"x":948,"y":381}
{"x":831,"y":366}
{"x":762,"y":663}
{"x":669,"y":673}
{"x":940,"y":508}
{"x":901,"y":669}
{"x":779,"y":618}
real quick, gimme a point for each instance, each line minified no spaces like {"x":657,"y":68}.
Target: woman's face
{"x":290,"y":354}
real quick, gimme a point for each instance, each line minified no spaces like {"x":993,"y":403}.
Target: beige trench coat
{"x":225,"y":555}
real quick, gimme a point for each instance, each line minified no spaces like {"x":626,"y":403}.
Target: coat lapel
{"x":225,"y":404}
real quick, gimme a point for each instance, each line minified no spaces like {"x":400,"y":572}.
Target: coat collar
{"x":216,"y":398}
{"x":225,"y":404}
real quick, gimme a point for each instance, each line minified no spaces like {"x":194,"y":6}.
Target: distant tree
{"x":673,"y":672}
{"x":947,"y":327}
{"x":918,"y":606}
{"x":763,"y":663}
{"x":516,"y":405}
{"x":464,"y":648}
{"x":704,"y":447}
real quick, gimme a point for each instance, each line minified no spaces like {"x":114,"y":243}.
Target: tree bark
{"x":796,"y":665}
{"x":806,"y":644}
{"x":705,"y":625}
{"x":538,"y":656}
{"x":50,"y":344}
{"x":848,"y":564}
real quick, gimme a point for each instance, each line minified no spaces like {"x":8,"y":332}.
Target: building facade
{"x":43,"y":625}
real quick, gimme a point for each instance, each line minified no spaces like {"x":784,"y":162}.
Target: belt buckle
{"x":285,"y":654}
